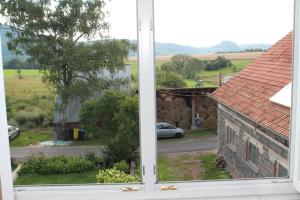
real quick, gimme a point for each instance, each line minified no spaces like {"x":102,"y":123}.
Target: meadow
{"x":29,"y":100}
{"x":210,"y":78}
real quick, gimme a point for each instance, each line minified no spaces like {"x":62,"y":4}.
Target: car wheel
{"x":178,"y":135}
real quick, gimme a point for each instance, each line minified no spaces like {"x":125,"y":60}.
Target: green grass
{"x":175,"y":168}
{"x":30,"y":85}
{"x":211,"y":172}
{"x":190,"y":166}
{"x":31,"y":137}
{"x":82,"y":178}
{"x":29,"y":72}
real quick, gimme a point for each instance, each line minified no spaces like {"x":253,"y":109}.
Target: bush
{"x":13,"y":122}
{"x":122,"y":166}
{"x":167,"y":79}
{"x":42,"y":165}
{"x":36,"y":117}
{"x":218,"y":63}
{"x":98,"y":161}
{"x":115,"y":176}
{"x":119,"y":127}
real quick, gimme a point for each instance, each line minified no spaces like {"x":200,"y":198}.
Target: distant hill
{"x":161,"y":49}
{"x":164,"y":49}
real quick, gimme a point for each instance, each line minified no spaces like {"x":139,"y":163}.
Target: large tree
{"x":57,"y":36}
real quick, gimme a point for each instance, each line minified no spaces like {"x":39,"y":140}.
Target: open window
{"x":150,"y":169}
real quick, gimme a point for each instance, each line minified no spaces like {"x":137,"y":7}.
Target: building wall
{"x":273,"y":149}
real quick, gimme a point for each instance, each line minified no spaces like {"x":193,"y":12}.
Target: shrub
{"x":119,"y":127}
{"x":115,"y":176}
{"x":122,"y":166}
{"x":13,"y":122}
{"x":98,"y":161}
{"x":42,"y":165}
{"x":36,"y":117}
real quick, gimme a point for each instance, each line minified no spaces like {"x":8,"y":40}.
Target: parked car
{"x":13,"y":132}
{"x":167,"y":130}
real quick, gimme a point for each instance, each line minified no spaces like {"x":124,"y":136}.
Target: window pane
{"x":218,"y":66}
{"x":71,"y":94}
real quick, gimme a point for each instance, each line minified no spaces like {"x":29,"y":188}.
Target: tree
{"x":178,"y":61}
{"x":118,"y":124}
{"x":218,"y":63}
{"x":192,"y":67}
{"x":51,"y":33}
{"x":168,"y":79}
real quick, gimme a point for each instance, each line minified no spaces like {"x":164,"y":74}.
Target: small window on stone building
{"x":280,"y":170}
{"x":253,"y":153}
{"x":231,"y":135}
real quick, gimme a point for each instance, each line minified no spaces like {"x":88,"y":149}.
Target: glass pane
{"x":218,"y":66}
{"x":71,"y":91}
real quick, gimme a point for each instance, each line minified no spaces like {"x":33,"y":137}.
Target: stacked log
{"x":174,"y":110}
{"x":207,"y":110}
{"x":177,"y":110}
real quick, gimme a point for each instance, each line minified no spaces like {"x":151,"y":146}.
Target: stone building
{"x":253,"y":128}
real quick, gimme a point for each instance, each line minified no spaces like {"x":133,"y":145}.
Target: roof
{"x":250,"y":90}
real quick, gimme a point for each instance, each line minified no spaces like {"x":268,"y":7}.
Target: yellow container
{"x":76,"y":133}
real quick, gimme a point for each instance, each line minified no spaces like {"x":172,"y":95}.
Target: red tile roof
{"x":250,"y":90}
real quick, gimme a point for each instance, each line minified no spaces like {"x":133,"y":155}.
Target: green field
{"x":210,"y":78}
{"x":30,"y":85}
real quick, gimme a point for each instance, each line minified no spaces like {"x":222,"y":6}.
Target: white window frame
{"x":149,"y":189}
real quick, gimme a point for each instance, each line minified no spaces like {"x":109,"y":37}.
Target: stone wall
{"x":272,"y":147}
{"x":179,"y":107}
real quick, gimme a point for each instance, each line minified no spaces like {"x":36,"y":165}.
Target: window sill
{"x":184,"y":190}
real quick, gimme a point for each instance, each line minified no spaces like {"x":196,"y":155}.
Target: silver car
{"x":13,"y":132}
{"x":167,"y":130}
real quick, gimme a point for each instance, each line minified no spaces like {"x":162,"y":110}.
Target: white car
{"x":167,"y":130}
{"x":13,"y":132}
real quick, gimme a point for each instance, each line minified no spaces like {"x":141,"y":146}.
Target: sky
{"x":203,"y":23}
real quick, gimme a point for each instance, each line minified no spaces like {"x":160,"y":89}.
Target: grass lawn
{"x":87,"y":177}
{"x":190,"y":166}
{"x":31,"y":137}
{"x":211,"y":172}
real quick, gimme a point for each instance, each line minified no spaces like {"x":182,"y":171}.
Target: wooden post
{"x":193,"y":109}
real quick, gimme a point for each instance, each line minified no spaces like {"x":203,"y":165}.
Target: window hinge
{"x":154,"y":169}
{"x":144,"y":170}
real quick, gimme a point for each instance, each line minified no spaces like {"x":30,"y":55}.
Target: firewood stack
{"x":177,"y":110}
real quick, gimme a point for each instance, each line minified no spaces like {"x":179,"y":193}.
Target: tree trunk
{"x":62,"y":128}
